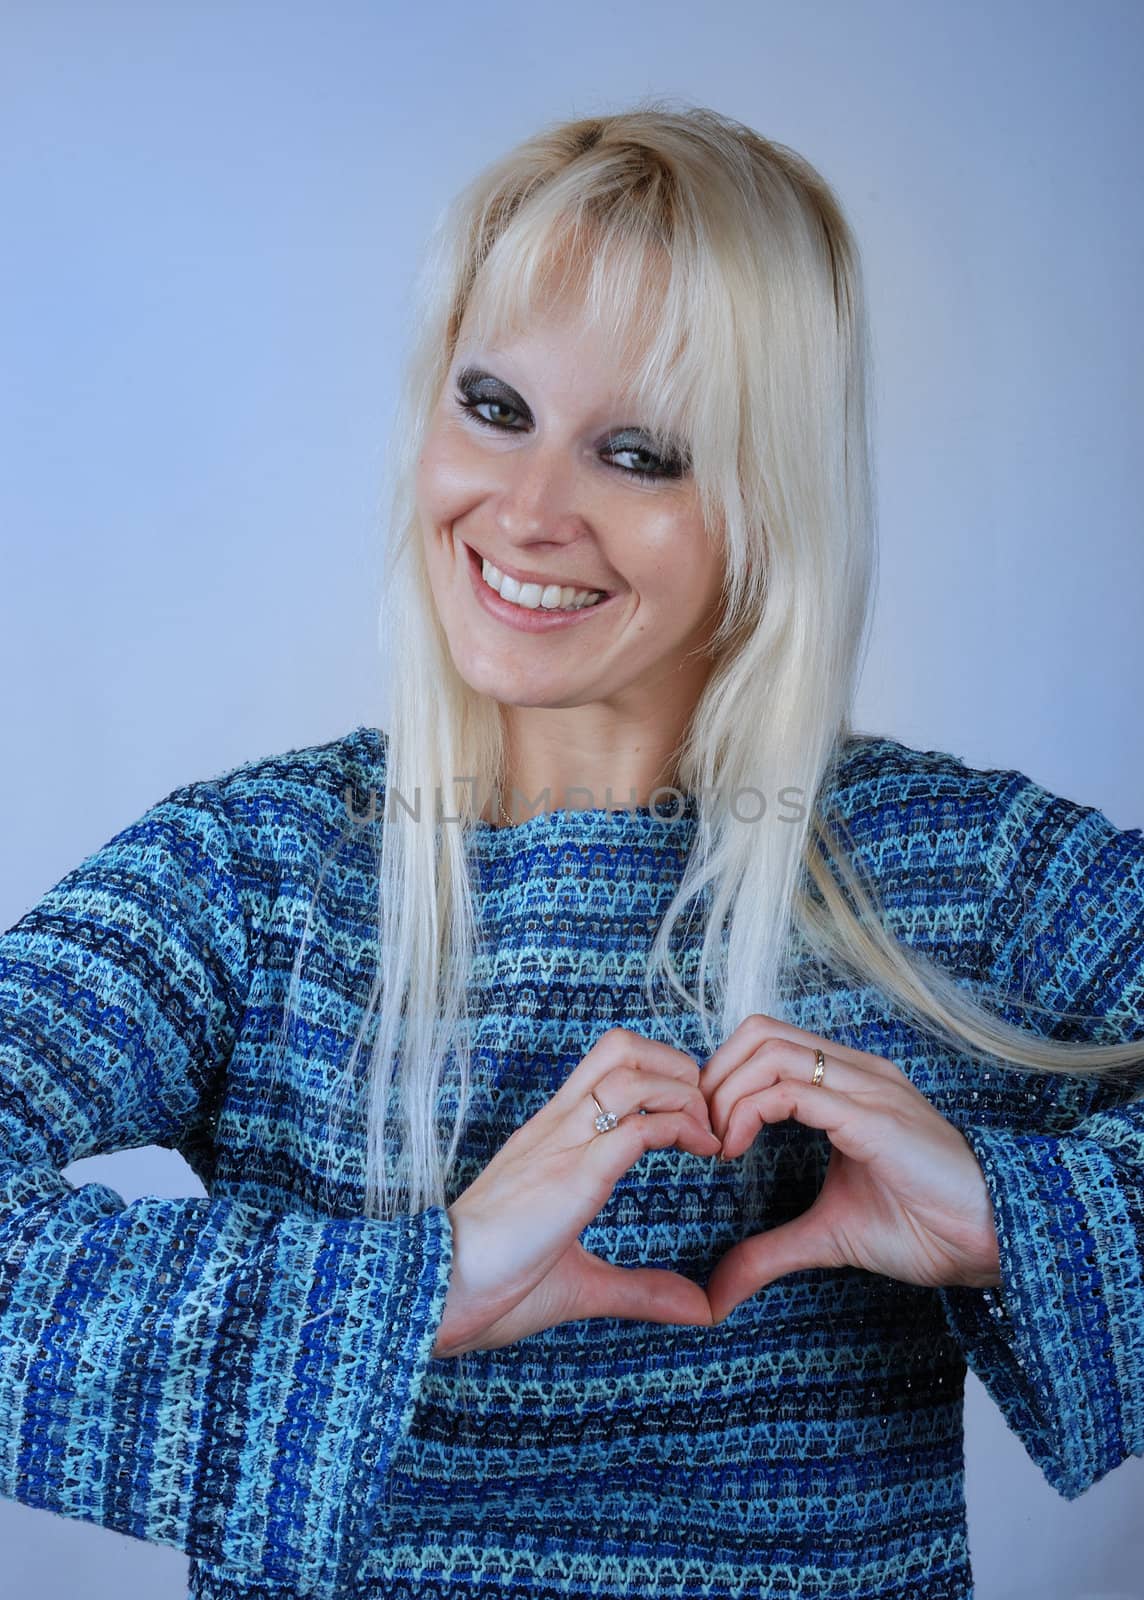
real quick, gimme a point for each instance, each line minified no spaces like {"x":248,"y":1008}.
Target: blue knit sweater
{"x":248,"y":1378}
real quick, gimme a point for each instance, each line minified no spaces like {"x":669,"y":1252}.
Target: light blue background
{"x":210,"y":216}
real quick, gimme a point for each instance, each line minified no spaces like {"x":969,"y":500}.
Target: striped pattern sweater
{"x":247,"y":1377}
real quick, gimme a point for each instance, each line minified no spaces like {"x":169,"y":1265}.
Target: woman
{"x":454,"y":1020}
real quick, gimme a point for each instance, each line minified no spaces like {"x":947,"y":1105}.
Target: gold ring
{"x":819,"y":1068}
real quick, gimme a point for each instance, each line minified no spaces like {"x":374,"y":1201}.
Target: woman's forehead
{"x":622,"y":343}
{"x":614,"y":284}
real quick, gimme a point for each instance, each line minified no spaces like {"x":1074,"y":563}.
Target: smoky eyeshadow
{"x":475,"y":379}
{"x":482,"y":385}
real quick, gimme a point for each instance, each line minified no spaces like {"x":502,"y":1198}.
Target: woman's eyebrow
{"x":469,"y":375}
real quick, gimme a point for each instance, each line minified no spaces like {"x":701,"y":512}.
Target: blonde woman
{"x":627,"y":1096}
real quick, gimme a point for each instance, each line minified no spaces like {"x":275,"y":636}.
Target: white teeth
{"x":534,"y":598}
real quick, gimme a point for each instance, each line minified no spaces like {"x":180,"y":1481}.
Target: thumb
{"x":753,"y":1263}
{"x":643,"y":1294}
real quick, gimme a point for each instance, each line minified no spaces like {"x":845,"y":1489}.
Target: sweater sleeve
{"x":1059,"y":1344}
{"x":199,"y":1372}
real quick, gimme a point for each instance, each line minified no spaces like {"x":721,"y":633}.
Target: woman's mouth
{"x":523,"y":606}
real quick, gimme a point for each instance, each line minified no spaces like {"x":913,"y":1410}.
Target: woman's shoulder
{"x":881,"y":783}
{"x":941,"y":836}
{"x":322,"y":788}
{"x":877,"y":764}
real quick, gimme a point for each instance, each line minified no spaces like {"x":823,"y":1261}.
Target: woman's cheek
{"x":451,"y":483}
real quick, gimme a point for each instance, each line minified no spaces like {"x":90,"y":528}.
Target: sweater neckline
{"x":669,"y":816}
{"x":672,"y":819}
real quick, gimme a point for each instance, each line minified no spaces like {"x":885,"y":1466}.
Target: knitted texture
{"x":247,"y":1377}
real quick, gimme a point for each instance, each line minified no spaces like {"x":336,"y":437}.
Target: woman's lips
{"x":519,"y":617}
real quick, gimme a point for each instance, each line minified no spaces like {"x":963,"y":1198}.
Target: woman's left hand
{"x":904,"y":1194}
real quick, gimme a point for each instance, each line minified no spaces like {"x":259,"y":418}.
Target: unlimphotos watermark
{"x":745,"y":803}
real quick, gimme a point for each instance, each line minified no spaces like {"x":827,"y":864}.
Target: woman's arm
{"x":199,"y":1373}
{"x":1060,"y":1344}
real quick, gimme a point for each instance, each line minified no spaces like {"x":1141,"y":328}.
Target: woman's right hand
{"x":518,"y":1265}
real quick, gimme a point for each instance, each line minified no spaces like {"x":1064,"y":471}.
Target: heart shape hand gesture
{"x":904,"y":1194}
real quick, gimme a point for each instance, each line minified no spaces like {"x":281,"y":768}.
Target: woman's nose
{"x":538,"y":495}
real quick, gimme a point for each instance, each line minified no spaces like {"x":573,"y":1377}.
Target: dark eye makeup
{"x":476,"y":389}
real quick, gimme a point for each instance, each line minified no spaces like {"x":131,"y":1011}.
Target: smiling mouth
{"x":529,"y":593}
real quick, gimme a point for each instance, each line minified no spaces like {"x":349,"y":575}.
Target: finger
{"x":779,"y":1058}
{"x":756,"y":1028}
{"x":620,"y":1047}
{"x":740,"y":1045}
{"x":625,"y":1090}
{"x":615,"y":1151}
{"x":858,"y":1130}
{"x":623,"y":1047}
{"x":753,"y":1263}
{"x":641,"y":1294}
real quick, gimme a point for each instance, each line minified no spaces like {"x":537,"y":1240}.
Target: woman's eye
{"x":647,"y":464}
{"x":656,"y":468}
{"x":472,"y":405}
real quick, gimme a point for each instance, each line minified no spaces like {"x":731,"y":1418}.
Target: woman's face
{"x":535,"y":463}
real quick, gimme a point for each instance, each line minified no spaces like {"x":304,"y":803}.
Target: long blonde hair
{"x":726,"y":261}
